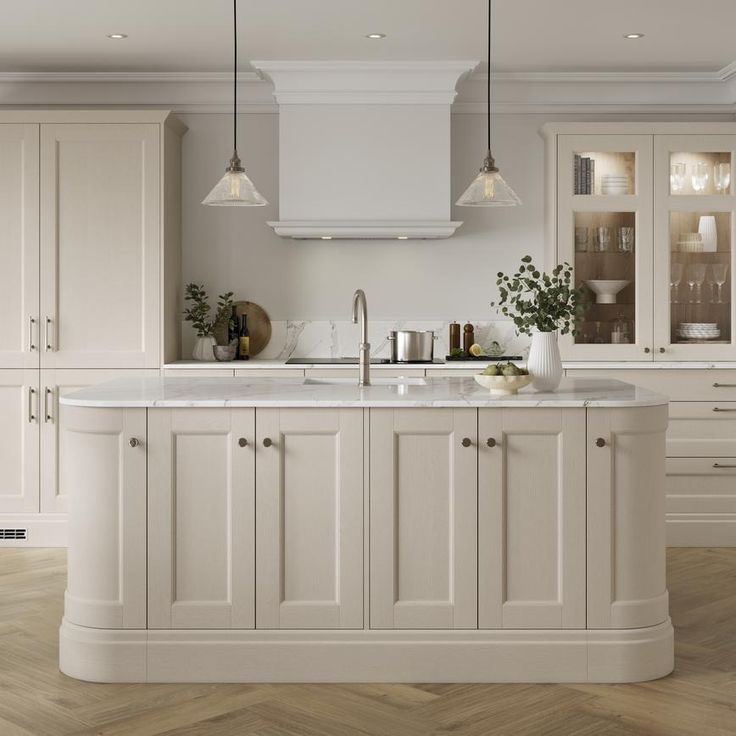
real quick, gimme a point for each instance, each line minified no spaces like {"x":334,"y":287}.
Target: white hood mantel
{"x":364,"y":147}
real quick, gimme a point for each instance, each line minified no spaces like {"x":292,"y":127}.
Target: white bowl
{"x":605,"y":291}
{"x":502,"y":385}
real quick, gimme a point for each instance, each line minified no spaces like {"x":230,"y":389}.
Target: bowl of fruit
{"x":503,"y":379}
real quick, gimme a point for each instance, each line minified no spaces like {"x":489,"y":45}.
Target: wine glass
{"x":604,"y":239}
{"x":720,"y":272}
{"x":722,"y":177}
{"x":581,"y":239}
{"x":626,"y":239}
{"x":700,"y":176}
{"x":695,"y":278}
{"x":677,"y":177}
{"x":675,"y":279}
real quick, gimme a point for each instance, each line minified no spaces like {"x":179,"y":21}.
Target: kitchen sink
{"x":375,"y":381}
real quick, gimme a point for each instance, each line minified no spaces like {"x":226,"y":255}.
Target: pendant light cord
{"x":235,"y":75}
{"x":488,"y":88}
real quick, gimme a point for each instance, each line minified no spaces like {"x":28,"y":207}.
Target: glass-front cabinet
{"x":647,"y":221}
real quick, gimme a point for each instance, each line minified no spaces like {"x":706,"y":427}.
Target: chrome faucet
{"x":364,"y":360}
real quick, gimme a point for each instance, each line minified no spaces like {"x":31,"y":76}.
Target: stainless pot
{"x":412,"y":346}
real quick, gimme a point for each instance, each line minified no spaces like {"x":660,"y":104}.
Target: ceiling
{"x":529,"y":35}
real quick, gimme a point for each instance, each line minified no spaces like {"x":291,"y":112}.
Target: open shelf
{"x":611,"y":174}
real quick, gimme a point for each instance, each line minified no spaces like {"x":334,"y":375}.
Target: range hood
{"x":364,"y":148}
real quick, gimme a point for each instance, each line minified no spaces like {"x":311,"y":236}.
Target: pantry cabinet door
{"x":201,"y":506}
{"x":19,"y":429}
{"x":19,"y":246}
{"x":100,"y":245}
{"x":309,"y":522}
{"x":531,"y":518}
{"x":423,"y":507}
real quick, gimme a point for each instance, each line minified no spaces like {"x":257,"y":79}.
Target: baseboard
{"x":41,"y":530}
{"x":701,"y":530}
{"x":573,"y":655}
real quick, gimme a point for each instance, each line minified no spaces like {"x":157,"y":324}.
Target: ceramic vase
{"x":545,"y":364}
{"x":707,"y":229}
{"x":203,"y":348}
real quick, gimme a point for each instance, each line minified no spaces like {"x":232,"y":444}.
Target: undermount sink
{"x":375,"y":381}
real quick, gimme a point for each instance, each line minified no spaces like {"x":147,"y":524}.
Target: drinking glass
{"x":604,"y":239}
{"x":581,"y":239}
{"x":695,"y":278}
{"x":675,"y":279}
{"x":722,"y":177}
{"x":720,"y":272}
{"x":626,"y":240}
{"x":677,"y":177}
{"x":700,"y":176}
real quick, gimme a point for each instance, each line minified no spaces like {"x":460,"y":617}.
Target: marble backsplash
{"x":328,"y":339}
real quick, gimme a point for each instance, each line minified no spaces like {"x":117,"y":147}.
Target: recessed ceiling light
{"x":633,"y":35}
{"x":376,"y":36}
{"x":402,"y":237}
{"x":327,"y":237}
{"x":117,"y":36}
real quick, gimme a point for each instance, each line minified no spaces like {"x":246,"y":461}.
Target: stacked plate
{"x":691,"y":243}
{"x":698,"y":331}
{"x":611,"y":184}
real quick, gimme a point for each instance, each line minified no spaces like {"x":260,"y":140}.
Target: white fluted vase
{"x":544,"y":363}
{"x":203,"y":348}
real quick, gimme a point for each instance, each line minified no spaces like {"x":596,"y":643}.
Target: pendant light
{"x":235,"y":189}
{"x":489,"y":189}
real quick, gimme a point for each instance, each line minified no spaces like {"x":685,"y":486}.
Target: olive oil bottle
{"x":244,"y":339}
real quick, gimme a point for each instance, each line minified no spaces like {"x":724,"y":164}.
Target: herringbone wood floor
{"x":699,"y":698}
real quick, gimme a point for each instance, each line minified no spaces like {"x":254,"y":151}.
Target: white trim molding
{"x":365,"y":230}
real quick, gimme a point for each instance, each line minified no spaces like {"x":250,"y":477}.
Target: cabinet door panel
{"x":19,"y":246}
{"x":100,"y":205}
{"x":423,"y":502}
{"x":531,"y":518}
{"x":19,"y":431}
{"x":201,"y":516}
{"x":309,"y":526}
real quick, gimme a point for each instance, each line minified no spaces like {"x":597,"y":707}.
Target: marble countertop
{"x":285,"y":392}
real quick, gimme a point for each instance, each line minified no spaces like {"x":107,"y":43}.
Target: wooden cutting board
{"x":259,"y":325}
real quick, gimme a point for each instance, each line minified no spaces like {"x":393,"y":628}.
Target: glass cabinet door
{"x":604,"y":229}
{"x":694,"y":223}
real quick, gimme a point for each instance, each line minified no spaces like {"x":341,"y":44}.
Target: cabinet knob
{"x":267,"y":442}
{"x":243,"y":442}
{"x":467,"y":442}
{"x":491,"y":442}
{"x":662,"y":350}
{"x":133,"y":442}
{"x":600,"y":442}
{"x":647,"y":350}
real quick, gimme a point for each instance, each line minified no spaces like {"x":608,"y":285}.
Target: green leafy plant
{"x":224,"y":321}
{"x":540,"y":301}
{"x":199,"y":311}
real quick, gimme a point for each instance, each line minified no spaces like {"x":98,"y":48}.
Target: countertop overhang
{"x":169,"y":392}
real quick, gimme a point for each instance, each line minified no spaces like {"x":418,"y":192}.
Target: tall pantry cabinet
{"x":89,"y":222}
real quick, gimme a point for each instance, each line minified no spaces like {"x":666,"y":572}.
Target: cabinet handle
{"x":267,"y":442}
{"x":662,"y":350}
{"x":647,"y":350}
{"x":31,"y":323}
{"x":491,"y":442}
{"x":47,"y":415}
{"x":466,"y":442}
{"x":134,"y":442}
{"x":31,"y":415}
{"x":49,"y":346}
{"x":243,"y":442}
{"x":724,"y":385}
{"x":725,"y":465}
{"x":718,"y":408}
{"x":600,"y":442}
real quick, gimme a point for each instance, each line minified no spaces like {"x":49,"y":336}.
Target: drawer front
{"x":701,"y":485}
{"x":679,"y":385}
{"x":702,"y":429}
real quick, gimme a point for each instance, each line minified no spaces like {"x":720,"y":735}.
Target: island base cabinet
{"x":531,"y":518}
{"x":423,"y":518}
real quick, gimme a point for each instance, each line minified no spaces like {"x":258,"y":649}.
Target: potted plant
{"x":198,"y":314}
{"x":541,"y":305}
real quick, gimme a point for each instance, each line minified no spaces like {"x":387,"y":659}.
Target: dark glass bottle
{"x":233,"y":326}
{"x":244,"y":339}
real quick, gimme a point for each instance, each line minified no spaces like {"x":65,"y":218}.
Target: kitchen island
{"x":415,"y":530}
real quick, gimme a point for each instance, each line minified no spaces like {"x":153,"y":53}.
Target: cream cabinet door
{"x":19,"y":432}
{"x":106,"y":463}
{"x":201,"y":506}
{"x":423,"y":509}
{"x":100,"y":245}
{"x":531,"y":518}
{"x":626,"y":517}
{"x":19,"y":246}
{"x":309,"y":518}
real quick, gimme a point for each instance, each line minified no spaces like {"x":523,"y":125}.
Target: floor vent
{"x":13,"y":534}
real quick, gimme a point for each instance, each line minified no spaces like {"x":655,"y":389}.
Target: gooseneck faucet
{"x":364,"y":360}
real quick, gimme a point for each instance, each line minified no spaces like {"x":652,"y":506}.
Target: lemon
{"x":475,"y":350}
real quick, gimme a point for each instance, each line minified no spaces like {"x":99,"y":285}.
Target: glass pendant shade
{"x":235,"y":189}
{"x":489,"y":189}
